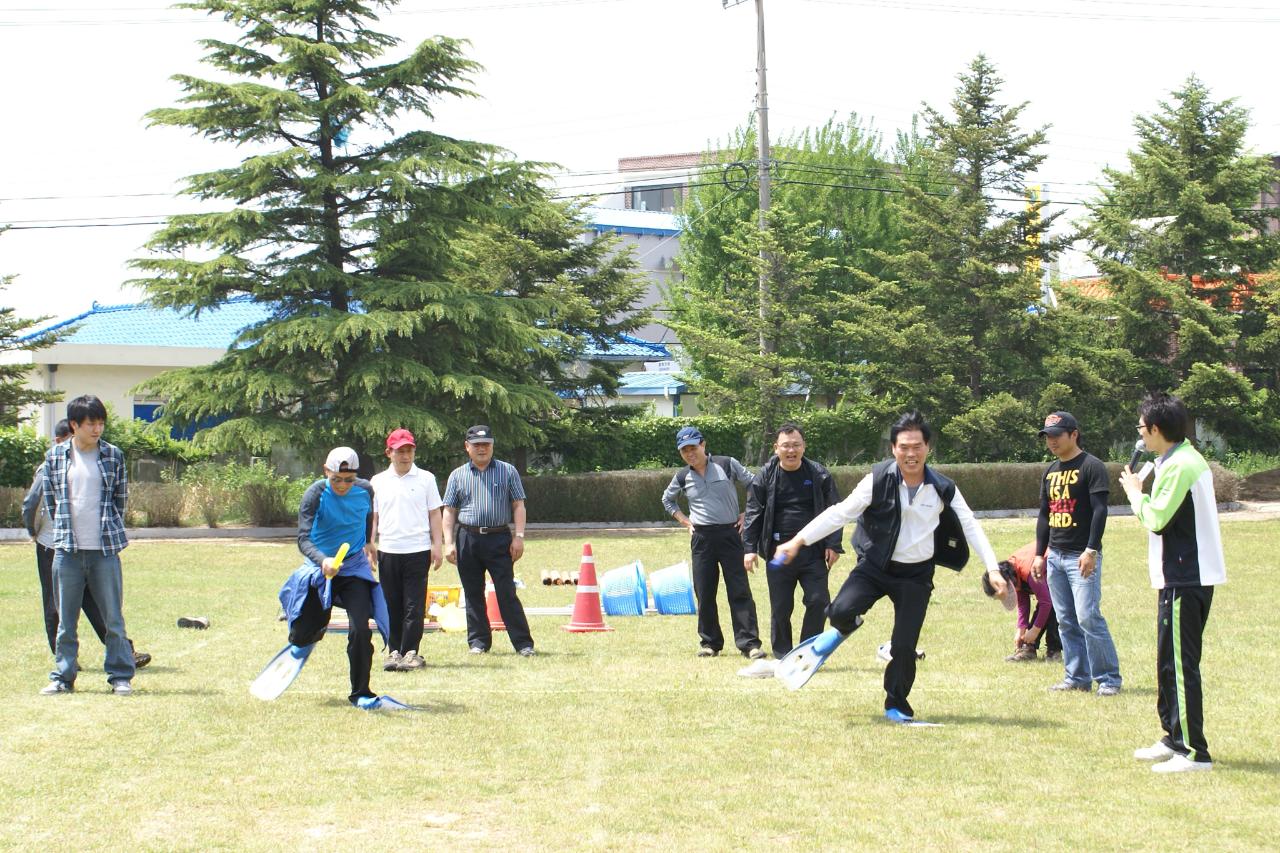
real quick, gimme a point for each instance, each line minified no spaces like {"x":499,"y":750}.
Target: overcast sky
{"x":584,"y":82}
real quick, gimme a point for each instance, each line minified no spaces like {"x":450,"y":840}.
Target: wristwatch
{"x":518,"y":535}
{"x":1090,"y":551}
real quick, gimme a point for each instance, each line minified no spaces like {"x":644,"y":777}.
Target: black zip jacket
{"x":757,"y":526}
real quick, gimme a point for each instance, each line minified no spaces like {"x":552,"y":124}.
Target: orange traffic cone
{"x":491,"y":607}
{"x":586,"y":603}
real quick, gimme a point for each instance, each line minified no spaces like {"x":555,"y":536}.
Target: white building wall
{"x":109,"y":372}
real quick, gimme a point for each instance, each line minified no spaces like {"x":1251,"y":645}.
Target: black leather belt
{"x":485,"y":531}
{"x":701,"y":527}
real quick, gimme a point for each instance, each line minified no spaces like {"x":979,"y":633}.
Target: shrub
{"x":211,"y":490}
{"x":1226,"y":483}
{"x":138,"y":438}
{"x":621,"y":496}
{"x":21,"y":450}
{"x":11,"y":505}
{"x":1000,"y":428}
{"x":155,"y":504}
{"x":265,"y":495}
{"x":598,"y":497}
{"x":596,"y":440}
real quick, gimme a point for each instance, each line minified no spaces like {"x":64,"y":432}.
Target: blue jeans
{"x":73,"y":573}
{"x":1087,"y":649}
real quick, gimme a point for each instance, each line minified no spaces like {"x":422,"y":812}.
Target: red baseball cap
{"x":399,"y":438}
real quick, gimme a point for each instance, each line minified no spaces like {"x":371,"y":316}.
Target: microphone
{"x":1139,"y":448}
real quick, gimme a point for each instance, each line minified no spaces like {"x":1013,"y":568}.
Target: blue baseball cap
{"x":687,"y":436}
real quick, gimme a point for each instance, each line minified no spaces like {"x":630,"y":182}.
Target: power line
{"x":910,"y":6}
{"x":82,"y":225}
{"x":84,"y":197}
{"x":210,"y":18}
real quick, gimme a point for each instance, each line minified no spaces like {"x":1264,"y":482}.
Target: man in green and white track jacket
{"x":1186,"y":562}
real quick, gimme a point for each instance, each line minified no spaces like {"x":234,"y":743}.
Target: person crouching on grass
{"x":1022,"y":585}
{"x":334,"y":510}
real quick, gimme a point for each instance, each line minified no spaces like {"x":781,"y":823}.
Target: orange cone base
{"x":583,"y":629}
{"x":492,"y":611}
{"x":587,"y":616}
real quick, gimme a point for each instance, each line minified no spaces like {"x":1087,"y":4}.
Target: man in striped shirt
{"x":483,"y":500}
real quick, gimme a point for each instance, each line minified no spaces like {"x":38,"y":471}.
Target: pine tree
{"x":1182,"y":239}
{"x":969,"y":267}
{"x":413,"y":279}
{"x":16,"y":336}
{"x":830,"y":212}
{"x":1188,"y":203}
{"x":735,"y":376}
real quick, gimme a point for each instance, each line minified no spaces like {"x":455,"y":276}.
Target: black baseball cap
{"x":1059,"y":423}
{"x":480,"y":433}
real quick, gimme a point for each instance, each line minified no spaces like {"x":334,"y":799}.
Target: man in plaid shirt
{"x":85,"y":491}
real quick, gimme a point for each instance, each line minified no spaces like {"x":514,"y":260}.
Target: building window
{"x":148,"y":409}
{"x":661,"y":198}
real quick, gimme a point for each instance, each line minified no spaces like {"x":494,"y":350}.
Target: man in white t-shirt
{"x":407,"y":528}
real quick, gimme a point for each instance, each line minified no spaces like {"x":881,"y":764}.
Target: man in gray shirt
{"x":36,"y":518}
{"x":715,"y":524}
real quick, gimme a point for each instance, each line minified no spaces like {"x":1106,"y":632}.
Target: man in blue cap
{"x":715,"y":524}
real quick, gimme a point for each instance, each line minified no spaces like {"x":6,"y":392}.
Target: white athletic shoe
{"x":1156,"y":752}
{"x":759,"y":668}
{"x":1181,"y":764}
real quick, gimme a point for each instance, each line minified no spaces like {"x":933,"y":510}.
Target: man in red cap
{"x":406,"y":525}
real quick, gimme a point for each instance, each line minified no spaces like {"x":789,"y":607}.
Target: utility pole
{"x":767,"y":346}
{"x":762,"y":126}
{"x":762,"y":135}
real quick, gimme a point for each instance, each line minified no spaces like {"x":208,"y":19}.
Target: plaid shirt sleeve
{"x":55,"y":497}
{"x":115,"y":497}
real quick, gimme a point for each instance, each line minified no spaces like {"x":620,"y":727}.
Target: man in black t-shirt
{"x":788,"y":493}
{"x":1073,"y":515}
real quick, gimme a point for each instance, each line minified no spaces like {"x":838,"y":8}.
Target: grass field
{"x":625,"y":740}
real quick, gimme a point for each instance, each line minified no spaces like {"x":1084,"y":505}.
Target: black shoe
{"x":141,"y":659}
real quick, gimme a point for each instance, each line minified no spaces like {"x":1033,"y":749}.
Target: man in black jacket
{"x":909,"y":518}
{"x":788,"y":493}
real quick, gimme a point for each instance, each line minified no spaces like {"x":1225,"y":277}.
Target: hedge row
{"x":596,"y":441}
{"x":21,"y":450}
{"x":611,"y":496}
{"x":619,"y":496}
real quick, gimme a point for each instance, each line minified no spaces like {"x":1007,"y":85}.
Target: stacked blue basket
{"x":623,"y":592}
{"x":673,"y":591}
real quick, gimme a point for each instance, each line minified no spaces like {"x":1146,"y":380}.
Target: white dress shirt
{"x":919,"y":521}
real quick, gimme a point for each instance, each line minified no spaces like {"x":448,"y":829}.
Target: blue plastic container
{"x":673,"y":591}
{"x":622,"y":591}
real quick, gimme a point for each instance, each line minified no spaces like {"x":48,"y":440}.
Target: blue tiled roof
{"x":144,"y":325}
{"x":628,"y":348}
{"x":639,"y":383}
{"x":643,"y":382}
{"x":623,"y":221}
